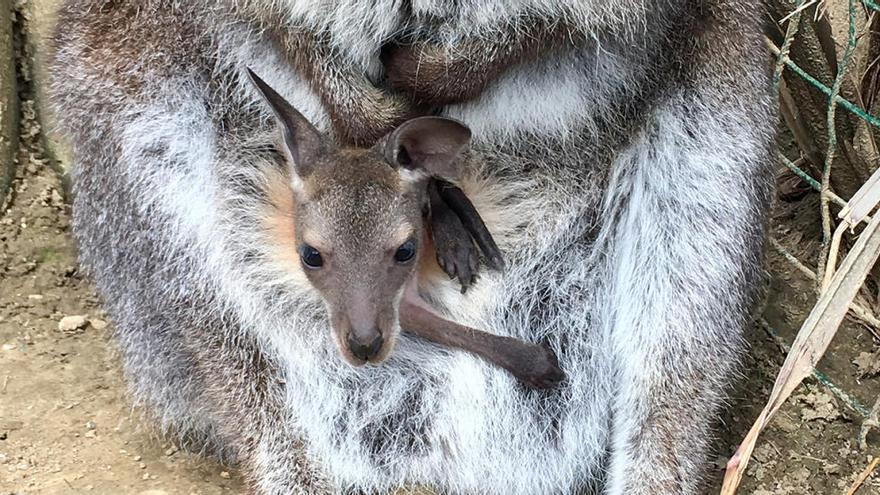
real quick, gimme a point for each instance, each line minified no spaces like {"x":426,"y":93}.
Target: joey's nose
{"x":365,"y":350}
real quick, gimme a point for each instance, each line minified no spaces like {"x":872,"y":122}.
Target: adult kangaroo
{"x":620,"y":158}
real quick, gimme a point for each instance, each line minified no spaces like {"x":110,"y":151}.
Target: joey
{"x":359,"y":232}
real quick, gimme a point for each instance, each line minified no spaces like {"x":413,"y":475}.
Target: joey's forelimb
{"x":533,"y":365}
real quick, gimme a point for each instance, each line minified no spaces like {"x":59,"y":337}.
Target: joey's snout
{"x":366,"y":348}
{"x":364,"y":338}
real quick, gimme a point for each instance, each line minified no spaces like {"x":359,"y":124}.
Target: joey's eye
{"x":310,"y":257}
{"x":405,"y":252}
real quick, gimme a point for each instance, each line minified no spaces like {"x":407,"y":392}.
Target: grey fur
{"x":626,"y":180}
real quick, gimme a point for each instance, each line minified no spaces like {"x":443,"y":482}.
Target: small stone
{"x":4,"y":458}
{"x":801,"y":475}
{"x":56,"y":197}
{"x":9,"y":347}
{"x":820,"y":406}
{"x":867,"y":364}
{"x":72,"y":323}
{"x":146,"y":476}
{"x":137,"y":458}
{"x":4,"y":435}
{"x":225,"y":475}
{"x":760,"y":473}
{"x":35,"y":297}
{"x":98,"y":324}
{"x":142,"y":465}
{"x":764,"y":453}
{"x":786,"y":424}
{"x":831,"y":469}
{"x":170,"y":451}
{"x":90,"y":434}
{"x":91,"y":425}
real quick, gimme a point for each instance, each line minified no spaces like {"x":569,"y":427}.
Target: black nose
{"x":368,"y":351}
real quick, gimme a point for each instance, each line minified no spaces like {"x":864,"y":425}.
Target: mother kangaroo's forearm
{"x":434,"y":74}
{"x":532,"y":364}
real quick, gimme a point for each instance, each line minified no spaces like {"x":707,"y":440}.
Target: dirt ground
{"x":66,"y":425}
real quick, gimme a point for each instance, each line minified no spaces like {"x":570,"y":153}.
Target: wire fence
{"x":823,"y":184}
{"x":837,"y":290}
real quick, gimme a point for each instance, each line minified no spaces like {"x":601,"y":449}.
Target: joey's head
{"x":358,"y":218}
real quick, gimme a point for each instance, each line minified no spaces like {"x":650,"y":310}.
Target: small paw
{"x":542,"y":371}
{"x":454,"y":199}
{"x":456,"y":253}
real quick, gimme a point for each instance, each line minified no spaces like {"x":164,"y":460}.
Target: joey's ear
{"x":428,"y":144}
{"x":302,"y":142}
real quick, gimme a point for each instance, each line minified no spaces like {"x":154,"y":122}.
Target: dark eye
{"x":405,"y":252}
{"x":310,"y":257}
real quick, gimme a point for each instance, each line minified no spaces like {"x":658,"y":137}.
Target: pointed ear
{"x":302,"y":142}
{"x":428,"y":144}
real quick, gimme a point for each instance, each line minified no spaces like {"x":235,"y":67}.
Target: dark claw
{"x":474,"y":264}
{"x":442,"y":262}
{"x":465,"y":277}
